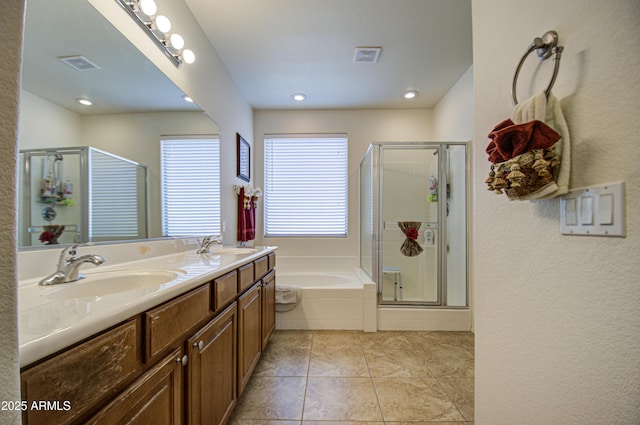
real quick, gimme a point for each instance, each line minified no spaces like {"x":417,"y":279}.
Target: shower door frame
{"x":441,"y":230}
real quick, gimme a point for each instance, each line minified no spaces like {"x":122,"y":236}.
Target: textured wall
{"x":11,"y":20}
{"x":557,"y":317}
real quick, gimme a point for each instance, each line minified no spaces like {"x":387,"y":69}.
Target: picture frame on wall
{"x":243,"y":151}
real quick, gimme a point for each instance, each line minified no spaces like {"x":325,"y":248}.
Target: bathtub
{"x":336,"y":294}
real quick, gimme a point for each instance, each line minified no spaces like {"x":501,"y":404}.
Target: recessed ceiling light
{"x":299,"y":97}
{"x":85,"y":102}
{"x":187,"y":99}
{"x":410,"y":94}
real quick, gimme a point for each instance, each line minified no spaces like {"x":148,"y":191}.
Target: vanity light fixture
{"x":299,"y":97}
{"x":83,"y":101}
{"x":410,"y":94}
{"x":158,"y":27}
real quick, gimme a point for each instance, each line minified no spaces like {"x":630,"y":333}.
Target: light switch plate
{"x":594,"y":211}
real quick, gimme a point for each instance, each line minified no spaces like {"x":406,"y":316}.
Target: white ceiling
{"x":272,"y":48}
{"x":276,"y":48}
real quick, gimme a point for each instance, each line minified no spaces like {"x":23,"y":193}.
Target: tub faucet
{"x":68,"y":265}
{"x":206,"y":243}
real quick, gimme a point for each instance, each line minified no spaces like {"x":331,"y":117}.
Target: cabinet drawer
{"x":262,"y":266}
{"x":168,"y":323}
{"x":154,"y":398}
{"x":84,"y":376}
{"x":272,"y":260}
{"x":225,"y":290}
{"x":245,"y":277}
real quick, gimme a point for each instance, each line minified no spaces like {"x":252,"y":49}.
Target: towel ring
{"x":545,"y":46}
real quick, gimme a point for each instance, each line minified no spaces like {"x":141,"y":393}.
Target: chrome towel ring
{"x":545,"y":46}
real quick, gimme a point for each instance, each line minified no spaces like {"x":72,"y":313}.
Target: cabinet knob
{"x":183,"y":360}
{"x":198,"y":345}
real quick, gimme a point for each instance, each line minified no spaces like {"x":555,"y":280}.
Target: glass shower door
{"x":410,"y":207}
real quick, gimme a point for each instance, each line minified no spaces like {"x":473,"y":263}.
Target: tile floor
{"x":342,"y":377}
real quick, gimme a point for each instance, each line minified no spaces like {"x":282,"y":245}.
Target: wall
{"x":453,"y":121}
{"x":11,"y":22}
{"x":46,"y":125}
{"x":362,"y":127}
{"x":137,"y":137}
{"x":556,"y":317}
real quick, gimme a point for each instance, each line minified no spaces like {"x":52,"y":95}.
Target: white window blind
{"x":305,"y":186}
{"x":113,"y":197}
{"x":190,"y":187}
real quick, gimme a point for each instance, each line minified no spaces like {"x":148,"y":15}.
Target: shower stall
{"x":413,"y":218}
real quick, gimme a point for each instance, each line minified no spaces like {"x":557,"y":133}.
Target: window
{"x":305,"y":186}
{"x":190,"y":186}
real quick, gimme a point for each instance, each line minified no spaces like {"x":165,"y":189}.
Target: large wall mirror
{"x":72,"y":52}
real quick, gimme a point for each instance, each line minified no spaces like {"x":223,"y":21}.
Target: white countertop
{"x":47,"y":325}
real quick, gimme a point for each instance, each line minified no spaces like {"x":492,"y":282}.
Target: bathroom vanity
{"x":185,"y":359}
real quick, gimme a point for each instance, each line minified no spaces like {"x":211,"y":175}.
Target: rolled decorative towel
{"x":287,"y":297}
{"x":547,"y":109}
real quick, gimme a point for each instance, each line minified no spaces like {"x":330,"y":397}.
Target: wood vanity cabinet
{"x":268,"y":320}
{"x":79,"y":379}
{"x":249,"y":334}
{"x":185,"y":361}
{"x":211,"y":370}
{"x":154,"y":398}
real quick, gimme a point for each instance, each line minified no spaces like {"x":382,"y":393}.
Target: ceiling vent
{"x":79,"y":63}
{"x":366,"y":54}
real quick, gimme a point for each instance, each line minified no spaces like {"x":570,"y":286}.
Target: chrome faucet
{"x":68,"y":265}
{"x":206,"y":243}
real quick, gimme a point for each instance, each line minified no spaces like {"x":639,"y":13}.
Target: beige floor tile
{"x":338,"y":361}
{"x":414,"y":399}
{"x":342,"y":339}
{"x":341,"y":399}
{"x":458,"y":364}
{"x":426,"y":423}
{"x":385,"y":340}
{"x":397,"y":363}
{"x":461,"y":392}
{"x":291,"y":339}
{"x":272,"y":398}
{"x":341,"y":423}
{"x":278,"y":361}
{"x":237,"y":421}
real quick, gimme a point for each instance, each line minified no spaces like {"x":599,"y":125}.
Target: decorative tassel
{"x":540,"y":164}
{"x":515,"y":176}
{"x":490,"y":179}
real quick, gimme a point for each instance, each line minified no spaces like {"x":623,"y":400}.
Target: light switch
{"x":571,"y":212}
{"x":605,"y":209}
{"x":594,"y":211}
{"x":586,"y":210}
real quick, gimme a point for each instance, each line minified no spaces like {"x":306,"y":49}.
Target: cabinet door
{"x":154,"y":398}
{"x":211,"y":371}
{"x":249,"y":334}
{"x":268,"y":307}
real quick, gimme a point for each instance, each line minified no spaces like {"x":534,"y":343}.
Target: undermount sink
{"x":236,"y":251}
{"x":100,"y":284}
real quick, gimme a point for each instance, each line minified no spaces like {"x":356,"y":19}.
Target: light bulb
{"x":148,"y":7}
{"x":163,"y":24}
{"x":188,"y":56}
{"x":411,"y":94}
{"x":176,"y":41}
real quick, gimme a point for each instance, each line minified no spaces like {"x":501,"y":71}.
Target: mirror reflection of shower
{"x":414,"y":222}
{"x":79,"y":194}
